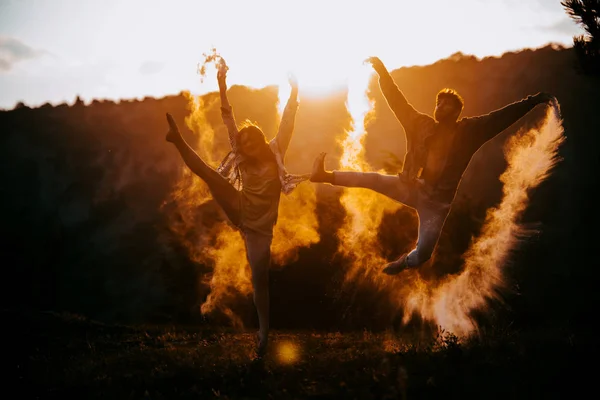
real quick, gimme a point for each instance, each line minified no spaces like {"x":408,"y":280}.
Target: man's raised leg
{"x":389,"y":185}
{"x":431,"y":221}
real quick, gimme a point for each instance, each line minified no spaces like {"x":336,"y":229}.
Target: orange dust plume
{"x":364,"y":208}
{"x":212,"y":57}
{"x":531,"y":156}
{"x":297,"y":225}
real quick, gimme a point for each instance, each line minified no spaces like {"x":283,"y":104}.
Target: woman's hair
{"x":250,"y":128}
{"x":256,"y":135}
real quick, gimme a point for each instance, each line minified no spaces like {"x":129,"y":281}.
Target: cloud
{"x":13,"y":50}
{"x":151,"y":67}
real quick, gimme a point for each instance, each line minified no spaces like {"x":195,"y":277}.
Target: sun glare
{"x":326,"y":78}
{"x":288,"y":352}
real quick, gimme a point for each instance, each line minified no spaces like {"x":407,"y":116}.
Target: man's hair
{"x":451,"y":95}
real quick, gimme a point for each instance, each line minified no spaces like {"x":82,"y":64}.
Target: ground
{"x":54,"y":355}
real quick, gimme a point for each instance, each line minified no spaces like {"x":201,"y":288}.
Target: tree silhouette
{"x":587,"y":47}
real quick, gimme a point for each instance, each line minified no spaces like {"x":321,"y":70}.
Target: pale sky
{"x":53,"y":50}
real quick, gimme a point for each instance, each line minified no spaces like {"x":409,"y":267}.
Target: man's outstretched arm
{"x":404,"y":111}
{"x":485,"y":127}
{"x":226,"y":110}
{"x":288,"y":119}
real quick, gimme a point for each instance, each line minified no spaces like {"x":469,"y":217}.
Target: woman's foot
{"x":173,"y":133}
{"x":261,"y":349}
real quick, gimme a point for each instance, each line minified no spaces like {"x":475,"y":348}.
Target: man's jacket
{"x":469,"y":134}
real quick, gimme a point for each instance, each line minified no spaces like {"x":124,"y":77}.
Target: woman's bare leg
{"x":222,"y":191}
{"x":258,"y":251}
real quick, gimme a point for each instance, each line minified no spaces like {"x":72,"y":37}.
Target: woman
{"x":248,"y":185}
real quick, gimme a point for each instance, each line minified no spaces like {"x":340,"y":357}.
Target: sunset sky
{"x":52,"y":51}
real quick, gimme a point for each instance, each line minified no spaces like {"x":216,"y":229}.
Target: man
{"x":438,"y":152}
{"x":247,"y":186}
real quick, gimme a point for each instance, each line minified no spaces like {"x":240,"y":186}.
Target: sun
{"x":322,"y":79}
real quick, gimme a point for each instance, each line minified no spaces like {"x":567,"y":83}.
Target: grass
{"x":63,"y":355}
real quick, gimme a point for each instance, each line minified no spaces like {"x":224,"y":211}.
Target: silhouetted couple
{"x":248,"y":183}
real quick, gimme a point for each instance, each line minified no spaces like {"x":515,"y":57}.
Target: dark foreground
{"x":58,"y":356}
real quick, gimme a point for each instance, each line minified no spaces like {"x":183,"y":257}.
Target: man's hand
{"x":376,"y":63}
{"x":544,"y":97}
{"x":222,"y":71}
{"x":173,"y":134}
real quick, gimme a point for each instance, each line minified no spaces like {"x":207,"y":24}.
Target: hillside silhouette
{"x":86,"y":201}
